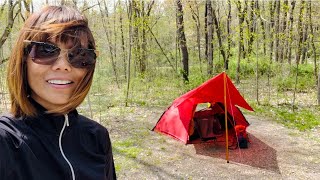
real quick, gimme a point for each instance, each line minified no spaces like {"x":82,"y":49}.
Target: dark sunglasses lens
{"x":82,"y":58}
{"x":47,"y":51}
{"x":47,"y":54}
{"x":44,"y":53}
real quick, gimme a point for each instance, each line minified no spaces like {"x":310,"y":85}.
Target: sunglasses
{"x":47,"y":54}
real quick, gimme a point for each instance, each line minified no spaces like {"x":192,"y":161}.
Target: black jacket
{"x":29,"y":148}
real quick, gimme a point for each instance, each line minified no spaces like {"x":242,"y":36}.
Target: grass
{"x":303,"y":119}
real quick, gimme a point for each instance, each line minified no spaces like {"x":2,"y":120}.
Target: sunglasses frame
{"x":53,"y":59}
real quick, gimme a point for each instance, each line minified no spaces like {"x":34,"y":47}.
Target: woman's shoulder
{"x":9,"y":128}
{"x":91,"y":125}
{"x":6,"y":122}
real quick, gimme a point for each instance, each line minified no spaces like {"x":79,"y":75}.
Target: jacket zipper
{"x":66,"y":123}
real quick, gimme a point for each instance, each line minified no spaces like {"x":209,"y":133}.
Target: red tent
{"x":175,"y":121}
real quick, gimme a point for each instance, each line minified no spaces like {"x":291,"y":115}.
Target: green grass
{"x":303,"y":119}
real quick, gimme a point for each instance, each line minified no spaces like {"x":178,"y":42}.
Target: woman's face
{"x":52,"y":85}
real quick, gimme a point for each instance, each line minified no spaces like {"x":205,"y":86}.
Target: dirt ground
{"x":275,"y":152}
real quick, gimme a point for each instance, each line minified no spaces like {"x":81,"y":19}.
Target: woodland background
{"x":152,"y":51}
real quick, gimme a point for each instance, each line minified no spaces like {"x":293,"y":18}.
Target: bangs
{"x":78,"y":35}
{"x":60,"y":24}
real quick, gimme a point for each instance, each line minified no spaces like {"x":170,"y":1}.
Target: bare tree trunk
{"x":11,"y":18}
{"x":109,"y":42}
{"x":115,"y":33}
{"x":145,"y":21}
{"x":228,"y":35}
{"x":250,"y":27}
{"x":206,"y":32}
{"x":182,"y":41}
{"x":283,"y":31}
{"x":195,"y":17}
{"x":305,"y":38}
{"x":257,"y":66}
{"x":272,"y":6}
{"x":130,"y":9}
{"x":218,"y":31}
{"x":209,"y":35}
{"x":136,"y":56}
{"x":290,"y":32}
{"x":300,"y":32}
{"x":124,"y":56}
{"x":277,"y":30}
{"x":241,"y":16}
{"x":314,"y":50}
{"x":319,"y":88}
{"x":143,"y":40}
{"x":258,"y":11}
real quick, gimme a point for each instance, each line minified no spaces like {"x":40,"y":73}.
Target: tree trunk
{"x":241,"y":15}
{"x":314,"y":50}
{"x":209,"y":35}
{"x":258,"y":11}
{"x":143,"y":40}
{"x":182,"y":41}
{"x":290,"y":32}
{"x":277,"y":30}
{"x":195,"y":17}
{"x":11,"y":17}
{"x":130,"y":14}
{"x":305,"y":38}
{"x":319,"y":88}
{"x":109,"y":41}
{"x":300,"y":32}
{"x":272,"y":6}
{"x":283,"y":31}
{"x":218,"y":31}
{"x":136,"y":56}
{"x":228,"y":35}
{"x":124,"y":56}
{"x":251,"y":27}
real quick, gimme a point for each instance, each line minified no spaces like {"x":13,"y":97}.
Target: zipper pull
{"x":66,"y":119}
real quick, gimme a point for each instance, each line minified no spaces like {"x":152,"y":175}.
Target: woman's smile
{"x":53,"y":85}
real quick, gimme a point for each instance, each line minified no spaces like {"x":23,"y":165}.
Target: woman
{"x":49,"y":74}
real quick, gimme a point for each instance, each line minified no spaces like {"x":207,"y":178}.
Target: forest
{"x":153,"y":51}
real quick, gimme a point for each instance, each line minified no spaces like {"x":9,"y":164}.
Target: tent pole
{"x":225,"y":115}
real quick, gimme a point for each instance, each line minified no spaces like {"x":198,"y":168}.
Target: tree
{"x":262,"y":25}
{"x":12,"y":14}
{"x":209,"y":32}
{"x":182,"y":41}
{"x":107,"y":33}
{"x":300,"y":32}
{"x":250,"y":25}
{"x":290,"y":32}
{"x":196,"y":18}
{"x":228,"y":34}
{"x":285,"y":10}
{"x":241,"y":16}
{"x":277,"y":30}
{"x":218,"y":31}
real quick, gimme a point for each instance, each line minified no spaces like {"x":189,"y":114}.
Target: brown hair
{"x":62,"y":23}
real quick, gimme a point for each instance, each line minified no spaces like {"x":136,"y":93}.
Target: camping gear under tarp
{"x":176,"y":120}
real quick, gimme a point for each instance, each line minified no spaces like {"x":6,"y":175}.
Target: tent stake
{"x":225,"y":115}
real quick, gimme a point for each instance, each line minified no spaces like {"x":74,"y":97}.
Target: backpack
{"x":242,"y":136}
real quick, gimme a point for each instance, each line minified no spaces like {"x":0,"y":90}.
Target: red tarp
{"x":176,"y":119}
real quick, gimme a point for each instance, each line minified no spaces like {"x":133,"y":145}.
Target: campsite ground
{"x":275,"y":152}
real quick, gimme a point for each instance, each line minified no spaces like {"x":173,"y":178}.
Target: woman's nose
{"x":62,"y":63}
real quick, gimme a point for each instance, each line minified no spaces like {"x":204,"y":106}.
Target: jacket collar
{"x":50,"y":122}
